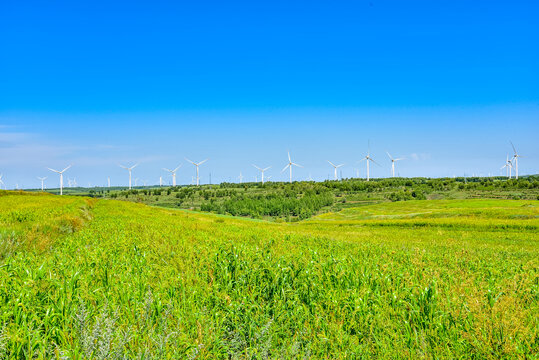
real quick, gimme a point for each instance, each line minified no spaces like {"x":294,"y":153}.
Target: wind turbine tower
{"x":368,"y":158}
{"x":173,"y":172}
{"x":197,"y":165}
{"x":240,"y":177}
{"x":1,"y":181}
{"x":61,"y":177}
{"x":42,"y":182}
{"x":130,"y":169}
{"x":335,"y":168}
{"x":393,"y":164}
{"x":515,"y":157}
{"x":262,"y":171}
{"x":508,"y":166}
{"x":289,"y":165}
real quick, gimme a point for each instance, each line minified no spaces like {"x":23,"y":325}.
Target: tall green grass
{"x":131,"y":281}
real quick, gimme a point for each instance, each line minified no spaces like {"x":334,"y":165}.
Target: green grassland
{"x":106,"y":279}
{"x":302,"y":200}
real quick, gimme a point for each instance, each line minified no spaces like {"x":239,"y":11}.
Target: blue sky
{"x":446,"y":84}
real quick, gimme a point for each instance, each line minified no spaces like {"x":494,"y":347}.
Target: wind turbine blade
{"x":298,"y":165}
{"x":134,"y":166}
{"x":289,"y":160}
{"x":362,"y":159}
{"x":192,"y":162}
{"x":167,"y":170}
{"x":56,"y":171}
{"x":269,"y":167}
{"x":331,"y":163}
{"x":371,"y":159}
{"x":179,"y":166}
{"x":338,"y":166}
{"x":390,"y":156}
{"x":257,"y":167}
{"x":66,"y":168}
{"x":286,"y":167}
{"x":202,"y":162}
{"x":515,"y":150}
{"x":398,"y":159}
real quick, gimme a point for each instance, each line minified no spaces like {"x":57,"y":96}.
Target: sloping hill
{"x":126,"y":279}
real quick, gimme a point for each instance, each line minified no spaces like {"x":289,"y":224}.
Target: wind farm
{"x":269,"y":180}
{"x":510,"y":167}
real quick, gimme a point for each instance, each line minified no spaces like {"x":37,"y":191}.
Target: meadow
{"x":86,"y":278}
{"x":278,"y":201}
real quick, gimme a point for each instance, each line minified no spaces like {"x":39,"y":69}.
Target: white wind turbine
{"x":368,"y":158}
{"x":515,"y":157}
{"x":61,"y":177}
{"x":1,"y":181}
{"x":108,"y":181}
{"x":393,"y":164}
{"x":130,"y":169}
{"x":508,"y":166}
{"x":262,"y":171}
{"x":197,"y":165}
{"x":335,"y":168}
{"x":289,"y":165}
{"x":173,"y":172}
{"x":42,"y":184}
{"x":240,"y":177}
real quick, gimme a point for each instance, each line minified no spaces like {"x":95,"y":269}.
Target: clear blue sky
{"x":446,"y":84}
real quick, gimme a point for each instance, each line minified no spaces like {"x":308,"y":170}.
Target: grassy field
{"x":301,"y":200}
{"x":87,"y":278}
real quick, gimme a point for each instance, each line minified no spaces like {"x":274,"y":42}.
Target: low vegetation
{"x":301,"y":200}
{"x":86,"y":278}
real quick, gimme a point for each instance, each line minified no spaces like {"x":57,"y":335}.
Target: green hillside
{"x":85,"y":278}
